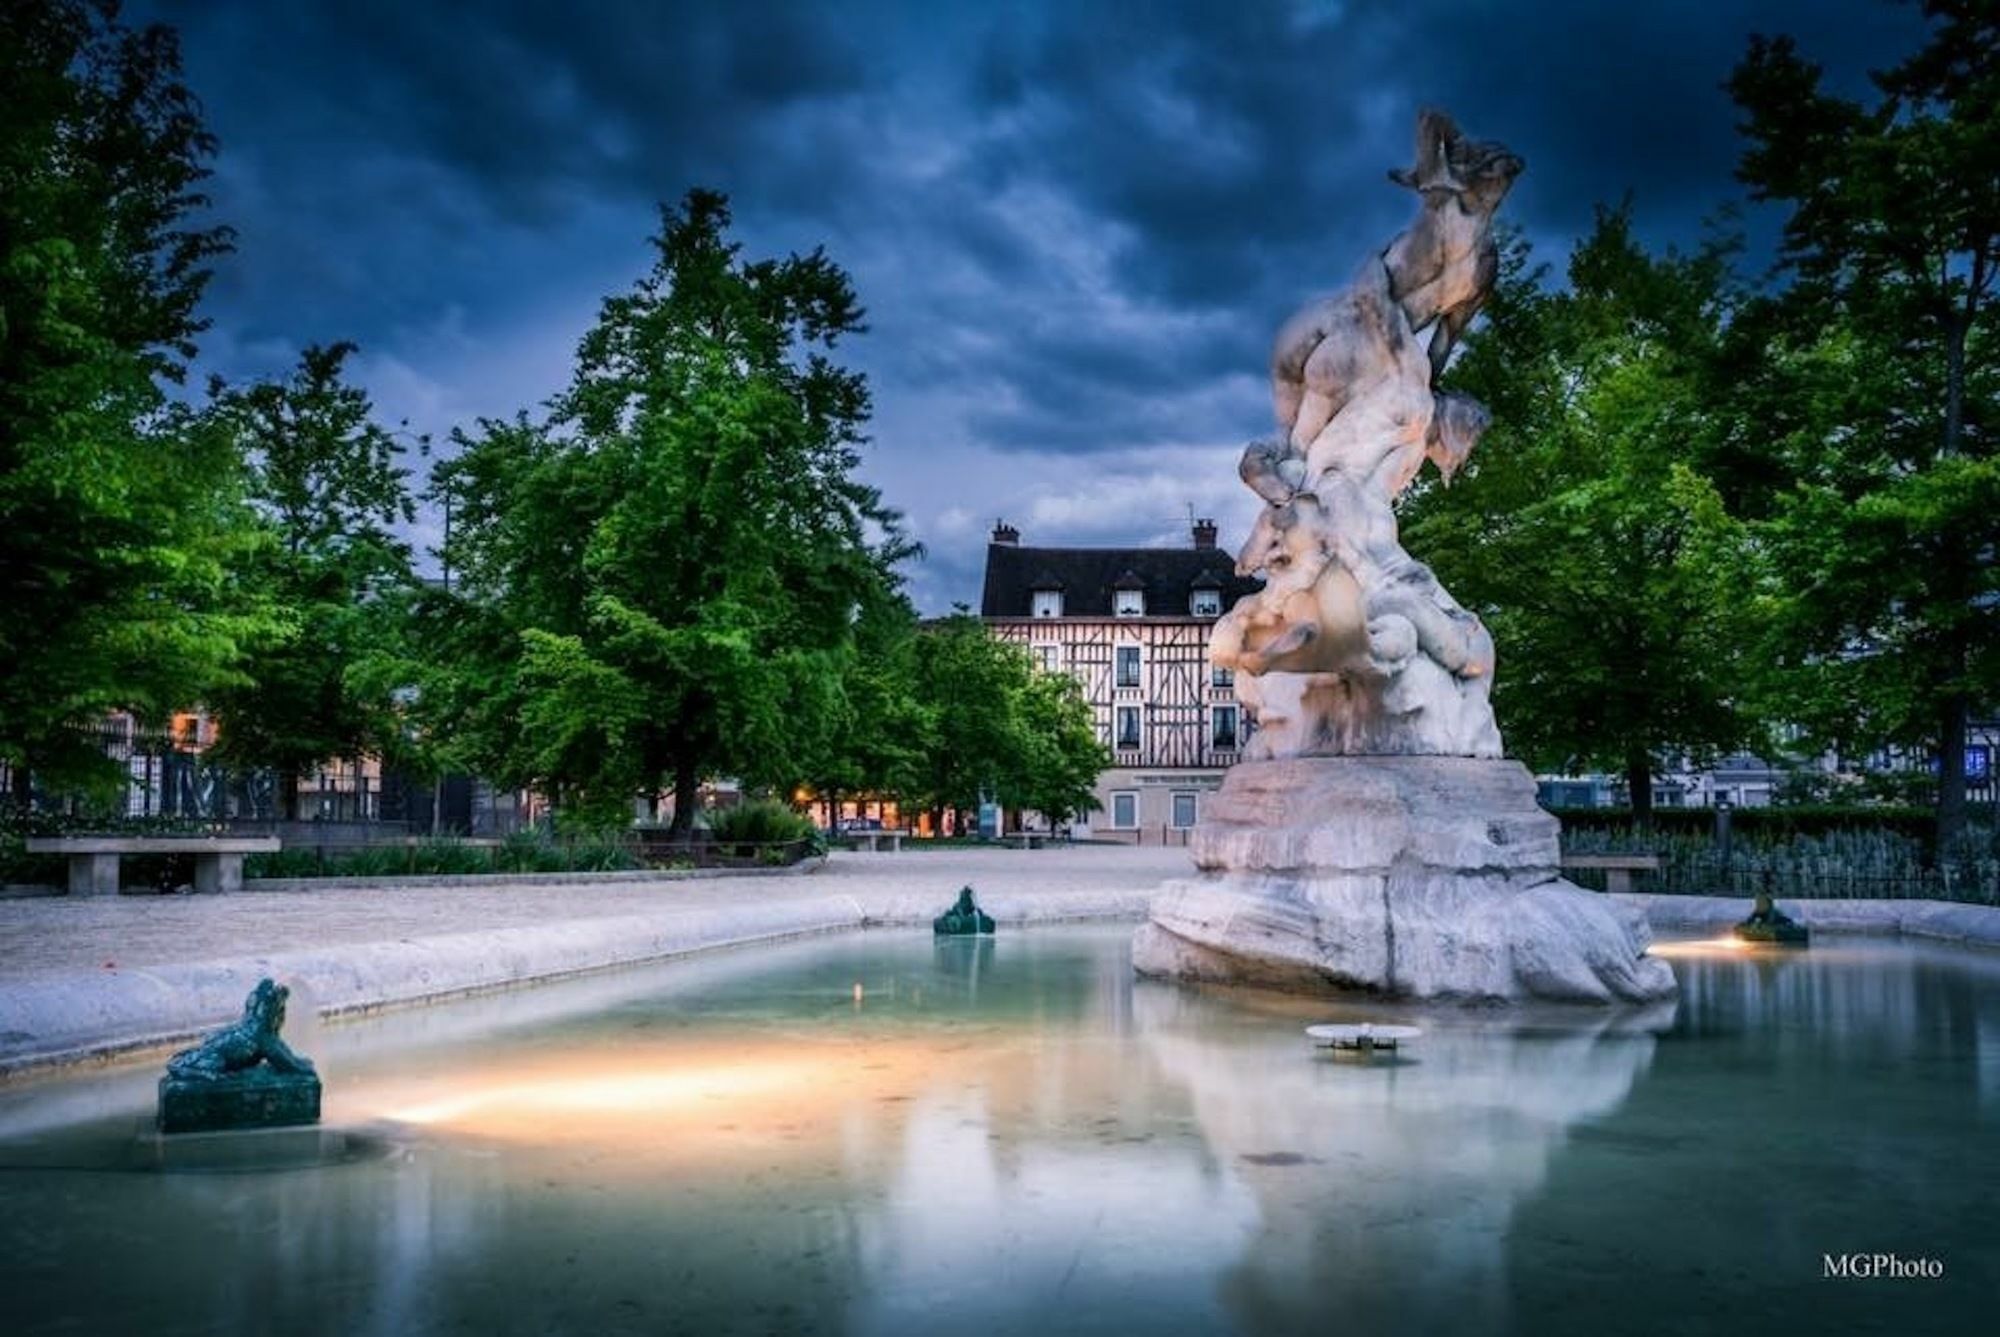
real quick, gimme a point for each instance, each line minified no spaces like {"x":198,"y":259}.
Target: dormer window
{"x":1047,"y":603}
{"x":1205,"y":603}
{"x":1129,"y":603}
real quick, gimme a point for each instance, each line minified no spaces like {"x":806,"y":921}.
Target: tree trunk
{"x":1951,"y":771}
{"x":1639,"y":780}
{"x":288,"y":796}
{"x":686,"y":781}
{"x":1954,"y":383}
{"x":22,"y":784}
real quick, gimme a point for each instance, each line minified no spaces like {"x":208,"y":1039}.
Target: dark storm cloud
{"x":1075,"y":225}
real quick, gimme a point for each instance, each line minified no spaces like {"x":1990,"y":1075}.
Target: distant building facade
{"x":1131,"y":625}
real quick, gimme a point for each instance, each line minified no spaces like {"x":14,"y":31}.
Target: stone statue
{"x":1388,"y":662}
{"x":1374,"y":837}
{"x":243,"y":1076}
{"x":964,"y":919}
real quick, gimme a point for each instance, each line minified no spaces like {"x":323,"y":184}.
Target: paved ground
{"x":61,"y":934}
{"x":86,"y":979}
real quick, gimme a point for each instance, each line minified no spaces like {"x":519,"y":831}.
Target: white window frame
{"x":1131,"y":794}
{"x":1219,"y":676}
{"x":1128,"y":603}
{"x":1193,"y":798}
{"x":1049,"y":656}
{"x":1118,"y":654}
{"x":1118,"y":714}
{"x":1205,"y":603}
{"x":1045,"y":603}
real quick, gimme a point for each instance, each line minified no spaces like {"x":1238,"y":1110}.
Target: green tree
{"x":657,"y":584}
{"x":1585,"y":529}
{"x":1065,"y":755}
{"x":875,"y":740}
{"x":327,"y":482}
{"x":1883,"y":345}
{"x":999,"y":729}
{"x":121,"y":522}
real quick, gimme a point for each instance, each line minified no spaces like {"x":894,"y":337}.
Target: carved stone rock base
{"x":254,"y":1098}
{"x":1420,"y":877}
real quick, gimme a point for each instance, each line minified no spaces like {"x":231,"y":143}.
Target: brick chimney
{"x":1005,"y":533}
{"x":1204,"y":534}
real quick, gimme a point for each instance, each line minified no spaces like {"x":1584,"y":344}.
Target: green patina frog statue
{"x":962,"y":919}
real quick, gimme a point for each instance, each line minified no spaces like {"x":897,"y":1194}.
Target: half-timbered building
{"x":1131,"y":625}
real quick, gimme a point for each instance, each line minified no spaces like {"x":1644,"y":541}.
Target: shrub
{"x":759,"y":822}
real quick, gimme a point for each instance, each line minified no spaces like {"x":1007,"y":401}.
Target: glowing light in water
{"x":1724,"y":946}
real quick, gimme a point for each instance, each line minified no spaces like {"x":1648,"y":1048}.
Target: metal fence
{"x":1810,"y":877}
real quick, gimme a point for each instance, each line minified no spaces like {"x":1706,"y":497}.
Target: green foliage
{"x":328,"y":487}
{"x":758,"y":822}
{"x":662,"y":580}
{"x":1000,"y":729}
{"x":1849,"y":859}
{"x":121,"y":521}
{"x":1585,"y":529}
{"x":523,"y":852}
{"x":1878,"y":382}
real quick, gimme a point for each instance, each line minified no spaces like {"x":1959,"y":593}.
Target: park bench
{"x":1029,"y":840}
{"x":1617,"y":868}
{"x":872,"y":840}
{"x":93,"y":860}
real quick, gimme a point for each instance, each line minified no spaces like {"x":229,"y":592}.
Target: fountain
{"x":1374,"y":837}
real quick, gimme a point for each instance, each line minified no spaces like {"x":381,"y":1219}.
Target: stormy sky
{"x":1075,"y":226}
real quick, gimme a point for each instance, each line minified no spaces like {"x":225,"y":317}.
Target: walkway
{"x":85,"y":978}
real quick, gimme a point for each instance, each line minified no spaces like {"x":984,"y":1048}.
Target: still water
{"x":1013,"y":1136}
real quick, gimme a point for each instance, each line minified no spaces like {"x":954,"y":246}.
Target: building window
{"x":1047,"y":603}
{"x":1206,"y":603}
{"x":1125,"y":810}
{"x":1129,"y":603}
{"x":1223,"y":736}
{"x":1128,"y":666}
{"x":1219,"y":676}
{"x":1128,"y":726}
{"x":1184,"y":810}
{"x":1050,"y":658}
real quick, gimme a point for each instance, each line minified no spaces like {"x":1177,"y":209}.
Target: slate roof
{"x":1087,"y":576}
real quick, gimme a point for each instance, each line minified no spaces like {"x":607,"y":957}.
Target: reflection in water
{"x":1385,"y":1188}
{"x":1012,"y":1137}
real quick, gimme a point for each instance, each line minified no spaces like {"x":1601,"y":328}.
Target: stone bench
{"x":93,"y":860}
{"x":1618,"y":868}
{"x":872,"y":840}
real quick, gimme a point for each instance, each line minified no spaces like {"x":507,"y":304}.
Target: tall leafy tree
{"x":664,"y":574}
{"x":1882,"y":345}
{"x":328,"y":483}
{"x":121,"y":523}
{"x":999,"y":728}
{"x":1585,"y":529}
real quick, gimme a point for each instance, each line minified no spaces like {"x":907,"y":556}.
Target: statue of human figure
{"x":1357,"y":413}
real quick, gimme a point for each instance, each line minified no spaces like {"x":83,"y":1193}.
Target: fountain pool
{"x":1014,"y":1136}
